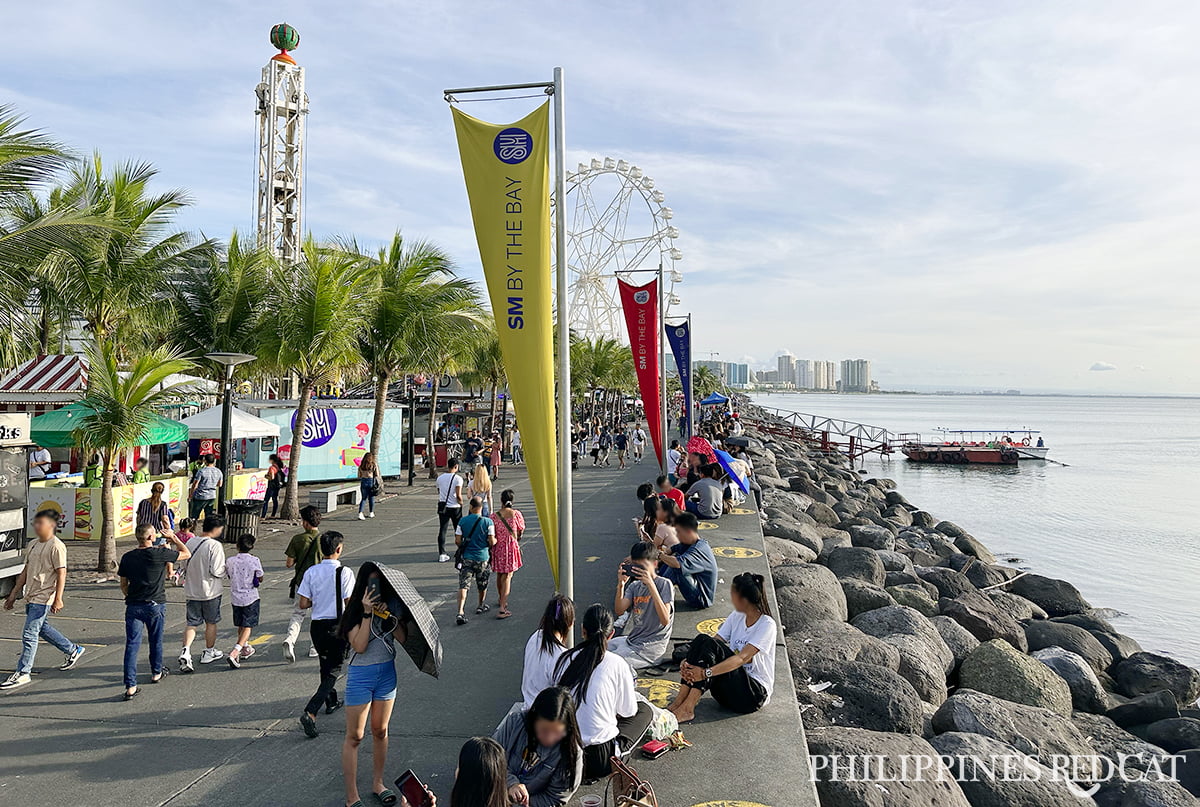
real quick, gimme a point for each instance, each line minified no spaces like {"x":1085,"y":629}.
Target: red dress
{"x":506,"y":554}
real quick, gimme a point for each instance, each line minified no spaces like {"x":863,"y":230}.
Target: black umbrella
{"x":422,"y":641}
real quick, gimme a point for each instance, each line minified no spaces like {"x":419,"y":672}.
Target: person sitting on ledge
{"x":738,"y":664}
{"x":706,"y":497}
{"x":690,"y":564}
{"x":649,"y":599}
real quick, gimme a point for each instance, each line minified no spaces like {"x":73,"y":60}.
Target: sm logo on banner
{"x":513,"y":145}
{"x":319,"y":429}
{"x":641,"y":297}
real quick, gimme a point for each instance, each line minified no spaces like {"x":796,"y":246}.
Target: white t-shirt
{"x":205,"y":569}
{"x":639,"y":437}
{"x":36,"y":456}
{"x":762,"y":634}
{"x":320,"y":587}
{"x":516,"y":439}
{"x":610,"y":694}
{"x":674,"y":457}
{"x":539,"y":667}
{"x":447,"y":483}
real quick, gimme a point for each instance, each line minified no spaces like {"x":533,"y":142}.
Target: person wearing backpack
{"x":302,"y":553}
{"x":475,"y":537}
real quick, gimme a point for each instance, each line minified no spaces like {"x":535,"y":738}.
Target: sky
{"x":970,"y":194}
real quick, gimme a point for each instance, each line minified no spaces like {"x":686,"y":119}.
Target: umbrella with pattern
{"x":422,"y":641}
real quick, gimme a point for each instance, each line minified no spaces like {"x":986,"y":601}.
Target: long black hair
{"x":557,"y":620}
{"x":555,"y":704}
{"x":575,"y":667}
{"x":353,"y":612}
{"x":649,"y":515}
{"x":482,"y":775}
{"x":750,"y":587}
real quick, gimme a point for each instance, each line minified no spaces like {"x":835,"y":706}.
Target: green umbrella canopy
{"x":56,"y":429}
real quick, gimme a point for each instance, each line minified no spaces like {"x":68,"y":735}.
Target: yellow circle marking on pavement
{"x":736,"y":552}
{"x":741,"y":511}
{"x":711,"y":626}
{"x":706,"y":525}
{"x":659,"y":691}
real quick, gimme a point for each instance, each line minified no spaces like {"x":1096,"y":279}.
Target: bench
{"x":327,"y":498}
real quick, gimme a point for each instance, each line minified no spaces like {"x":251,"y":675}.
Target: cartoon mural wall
{"x":335,"y":440}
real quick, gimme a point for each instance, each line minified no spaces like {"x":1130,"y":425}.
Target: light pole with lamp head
{"x":228,"y":361}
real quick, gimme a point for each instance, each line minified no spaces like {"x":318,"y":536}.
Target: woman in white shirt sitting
{"x":738,"y":664}
{"x":611,"y":719}
{"x":545,"y":647}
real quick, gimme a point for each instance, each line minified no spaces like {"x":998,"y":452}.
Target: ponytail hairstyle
{"x":669,"y":508}
{"x":649,"y":514}
{"x":507,"y":497}
{"x":557,"y":620}
{"x":575,"y":667}
{"x":482,"y":779}
{"x":555,"y":704}
{"x":750,"y":587}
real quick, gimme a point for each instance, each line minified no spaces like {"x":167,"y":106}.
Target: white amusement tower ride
{"x":616,"y":222}
{"x":282,"y":109}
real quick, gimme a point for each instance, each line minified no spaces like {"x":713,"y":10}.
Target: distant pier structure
{"x":281,"y":111}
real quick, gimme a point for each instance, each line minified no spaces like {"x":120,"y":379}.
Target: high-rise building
{"x":856,"y":375}
{"x":804,"y":374}
{"x":824,"y":376}
{"x":737,"y":375}
{"x":787,"y":368}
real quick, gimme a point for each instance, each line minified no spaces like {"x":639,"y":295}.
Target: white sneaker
{"x":289,"y":652}
{"x":210,"y":655}
{"x":16,"y":680}
{"x":372,"y":515}
{"x":185,"y":662}
{"x":312,"y":653}
{"x":361,"y":517}
{"x":442,"y":558}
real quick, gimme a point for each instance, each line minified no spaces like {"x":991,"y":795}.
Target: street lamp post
{"x":228,"y":361}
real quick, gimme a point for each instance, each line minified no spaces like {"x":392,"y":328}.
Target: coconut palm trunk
{"x":107,"y":560}
{"x":291,"y":504}
{"x":433,"y":396}
{"x":381,"y":393}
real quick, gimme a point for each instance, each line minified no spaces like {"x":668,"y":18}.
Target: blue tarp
{"x":714,"y":399}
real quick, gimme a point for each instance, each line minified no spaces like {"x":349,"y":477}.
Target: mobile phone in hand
{"x":411,"y":788}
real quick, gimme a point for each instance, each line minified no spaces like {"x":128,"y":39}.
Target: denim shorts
{"x":201,"y":612}
{"x":371,"y":682}
{"x":246,"y":616}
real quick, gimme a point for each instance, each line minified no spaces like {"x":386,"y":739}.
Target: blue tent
{"x":714,"y":399}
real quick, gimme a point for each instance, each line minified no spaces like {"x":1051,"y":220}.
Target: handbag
{"x":627,"y":788}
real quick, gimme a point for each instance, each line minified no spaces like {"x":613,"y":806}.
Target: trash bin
{"x":241,"y":517}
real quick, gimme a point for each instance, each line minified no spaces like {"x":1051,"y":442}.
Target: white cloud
{"x":1102,"y":367}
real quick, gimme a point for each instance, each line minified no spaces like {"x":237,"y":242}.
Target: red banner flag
{"x":640,"y":304}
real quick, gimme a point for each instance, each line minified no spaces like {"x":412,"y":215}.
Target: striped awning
{"x":58,"y":373}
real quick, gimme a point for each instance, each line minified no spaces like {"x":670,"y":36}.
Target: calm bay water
{"x":1120,"y":522}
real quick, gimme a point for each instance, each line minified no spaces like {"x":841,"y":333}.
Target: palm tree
{"x":485,"y":366}
{"x":704,"y":382}
{"x":122,"y":402}
{"x":117,"y":280}
{"x":596,"y":362}
{"x":416,"y":281}
{"x":318,"y":306}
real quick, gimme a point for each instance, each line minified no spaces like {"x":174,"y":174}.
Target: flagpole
{"x":691,"y":391}
{"x":662,"y":369}
{"x":566,"y":547}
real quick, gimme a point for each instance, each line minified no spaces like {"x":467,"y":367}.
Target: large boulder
{"x":1139,"y":711}
{"x":1110,"y":740}
{"x":1042,"y":633}
{"x":1175,"y":733}
{"x":1086,"y":693}
{"x":898,"y":516}
{"x":872,"y":537}
{"x":1089,"y":622}
{"x":1016,"y":606}
{"x":781,"y":552}
{"x":1056,"y":597}
{"x":985,"y":575}
{"x":791,"y":530}
{"x":1149,"y":672}
{"x":856,"y":563}
{"x":950,"y":528}
{"x":835,"y":539}
{"x":821,"y":642}
{"x":978,"y":614}
{"x":862,"y":597}
{"x":1027,"y":728}
{"x":914,"y":596}
{"x":970,"y":545}
{"x":949,"y":582}
{"x":1036,"y":785}
{"x":995,"y":668}
{"x":893,"y":561}
{"x":822,"y":514}
{"x":827,"y":745}
{"x":923,"y":519}
{"x":957,"y":638}
{"x":1149,"y":792}
{"x":808,"y":593}
{"x":1119,"y":646}
{"x":866,"y":696}
{"x":924,"y":658}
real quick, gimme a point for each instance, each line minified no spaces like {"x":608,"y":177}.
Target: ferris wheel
{"x":616,"y":222}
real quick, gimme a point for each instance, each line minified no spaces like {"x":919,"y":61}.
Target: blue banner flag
{"x":679,"y":337}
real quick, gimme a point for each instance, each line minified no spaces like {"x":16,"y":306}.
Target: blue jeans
{"x":366,"y":487}
{"x":38,"y":626}
{"x":154,"y":616}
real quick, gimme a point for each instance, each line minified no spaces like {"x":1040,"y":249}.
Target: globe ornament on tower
{"x":284,"y":37}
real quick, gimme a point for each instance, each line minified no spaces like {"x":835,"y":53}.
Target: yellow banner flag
{"x":507,"y":169}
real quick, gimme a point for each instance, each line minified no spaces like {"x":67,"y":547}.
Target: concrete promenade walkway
{"x":226,"y":737}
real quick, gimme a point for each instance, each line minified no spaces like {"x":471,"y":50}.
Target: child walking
{"x":184,"y":534}
{"x":245,"y":574}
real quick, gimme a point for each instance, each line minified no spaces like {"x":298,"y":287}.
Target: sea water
{"x":1120,"y":522}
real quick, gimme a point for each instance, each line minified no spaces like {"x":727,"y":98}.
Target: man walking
{"x":143,"y":573}
{"x":517,"y":456}
{"x":449,"y":508}
{"x":472,"y":447}
{"x":639,"y":443}
{"x":325,"y":589}
{"x":44,"y":578}
{"x":39,"y":463}
{"x":621,"y":443}
{"x":205,"y":484}
{"x":302,"y":553}
{"x":202,"y":588}
{"x":476,"y":535}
